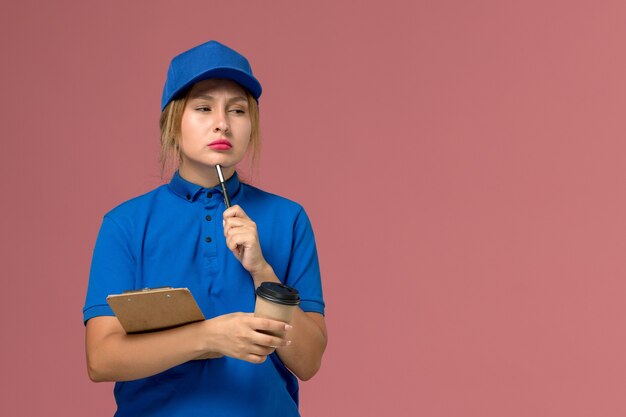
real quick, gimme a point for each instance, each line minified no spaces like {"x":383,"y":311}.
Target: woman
{"x":181,"y":235}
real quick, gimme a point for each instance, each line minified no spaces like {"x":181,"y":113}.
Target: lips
{"x":220,"y":145}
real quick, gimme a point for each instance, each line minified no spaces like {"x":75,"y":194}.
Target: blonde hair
{"x":170,"y":125}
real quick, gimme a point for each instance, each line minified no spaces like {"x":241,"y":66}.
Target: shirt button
{"x":209,"y":195}
{"x":208,"y":218}
{"x":208,"y":239}
{"x":188,"y":197}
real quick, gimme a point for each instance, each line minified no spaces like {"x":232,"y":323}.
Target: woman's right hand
{"x":242,"y":336}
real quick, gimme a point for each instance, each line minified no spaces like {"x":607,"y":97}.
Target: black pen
{"x":223,"y":184}
{"x":226,"y":198}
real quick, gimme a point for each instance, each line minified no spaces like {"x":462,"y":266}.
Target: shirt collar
{"x":190,"y":191}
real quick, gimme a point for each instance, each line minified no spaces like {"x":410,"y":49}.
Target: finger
{"x":236,"y":223}
{"x":232,"y":246}
{"x":209,"y":355}
{"x":272,"y":340}
{"x":261,"y":350}
{"x":254,"y":358}
{"x":241,"y":239}
{"x":236,"y":251}
{"x":238,"y":239}
{"x":269,"y":325}
{"x":241,"y":234}
{"x":235,"y":211}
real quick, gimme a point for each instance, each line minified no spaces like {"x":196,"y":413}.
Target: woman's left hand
{"x":243,"y":240}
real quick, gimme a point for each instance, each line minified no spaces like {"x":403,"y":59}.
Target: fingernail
{"x":288,"y":327}
{"x":288,"y":343}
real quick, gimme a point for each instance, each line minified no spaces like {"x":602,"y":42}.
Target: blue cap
{"x":209,"y":60}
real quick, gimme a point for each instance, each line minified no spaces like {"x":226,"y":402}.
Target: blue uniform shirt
{"x":173,"y":236}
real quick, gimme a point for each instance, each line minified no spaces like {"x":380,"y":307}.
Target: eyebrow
{"x":209,"y":97}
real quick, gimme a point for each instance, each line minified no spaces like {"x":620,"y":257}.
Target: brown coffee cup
{"x":276,"y":301}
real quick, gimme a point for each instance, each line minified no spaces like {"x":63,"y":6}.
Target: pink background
{"x":462,"y":163}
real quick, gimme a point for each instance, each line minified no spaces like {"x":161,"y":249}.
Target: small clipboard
{"x":155,"y":309}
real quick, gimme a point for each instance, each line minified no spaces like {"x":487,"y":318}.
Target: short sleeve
{"x":303,"y":272}
{"x":112,"y":269}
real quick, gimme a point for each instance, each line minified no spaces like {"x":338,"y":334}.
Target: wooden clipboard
{"x":155,"y":309}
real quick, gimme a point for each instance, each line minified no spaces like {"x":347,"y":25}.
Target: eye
{"x":238,"y":111}
{"x":203,"y":109}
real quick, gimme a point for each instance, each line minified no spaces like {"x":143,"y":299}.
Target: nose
{"x":221,"y":122}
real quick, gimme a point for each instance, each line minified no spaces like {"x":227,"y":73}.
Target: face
{"x":215,"y":127}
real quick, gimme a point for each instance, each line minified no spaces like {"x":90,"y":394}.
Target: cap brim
{"x":228,"y":73}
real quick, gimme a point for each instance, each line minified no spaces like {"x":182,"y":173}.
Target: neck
{"x":205,"y":176}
